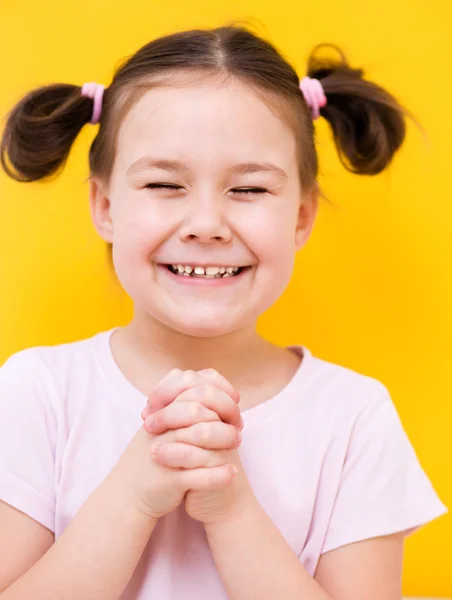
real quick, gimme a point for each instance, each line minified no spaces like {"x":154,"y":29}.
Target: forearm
{"x":255,"y":562}
{"x":95,"y":556}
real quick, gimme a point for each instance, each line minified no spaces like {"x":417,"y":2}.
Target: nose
{"x":205,"y":222}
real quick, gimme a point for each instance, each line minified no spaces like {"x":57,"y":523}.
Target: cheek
{"x":279,"y":264}
{"x":273,"y":234}
{"x":138,"y":232}
{"x":272,"y":239}
{"x":137,"y":235}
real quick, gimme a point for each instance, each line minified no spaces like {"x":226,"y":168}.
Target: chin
{"x":203,"y":326}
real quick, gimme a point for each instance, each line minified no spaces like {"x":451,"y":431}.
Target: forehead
{"x":205,"y":122}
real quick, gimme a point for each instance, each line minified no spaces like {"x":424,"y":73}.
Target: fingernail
{"x":149,"y":422}
{"x":154,"y":449}
{"x":234,"y":471}
{"x":242,"y":424}
{"x":239,"y":435}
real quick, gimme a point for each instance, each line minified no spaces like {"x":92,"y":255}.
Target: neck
{"x":234,"y":355}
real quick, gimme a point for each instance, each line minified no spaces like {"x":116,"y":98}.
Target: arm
{"x":370,"y":569}
{"x":255,"y":562}
{"x":95,"y":556}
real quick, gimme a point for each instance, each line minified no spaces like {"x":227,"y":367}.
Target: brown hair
{"x":367,"y":122}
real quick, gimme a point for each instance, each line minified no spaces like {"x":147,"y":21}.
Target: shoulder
{"x":45,"y":369}
{"x":341,"y":391}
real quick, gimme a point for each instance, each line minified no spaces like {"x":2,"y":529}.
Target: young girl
{"x":183,"y":456}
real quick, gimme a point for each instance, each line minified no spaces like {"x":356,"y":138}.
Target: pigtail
{"x":40,"y":130}
{"x":368,"y":123}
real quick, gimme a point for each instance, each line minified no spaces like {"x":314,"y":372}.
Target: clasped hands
{"x":195,"y":420}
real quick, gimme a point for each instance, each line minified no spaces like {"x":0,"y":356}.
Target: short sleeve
{"x":384,"y":489}
{"x":27,"y":437}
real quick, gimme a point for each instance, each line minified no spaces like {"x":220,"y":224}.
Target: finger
{"x":178,"y":414}
{"x":221,"y":382}
{"x":170,"y":375}
{"x":186,"y":456}
{"x":172,"y":386}
{"x":211,"y":435}
{"x":145,"y":412}
{"x":205,"y":478}
{"x":153,"y":398}
{"x":215,"y":399}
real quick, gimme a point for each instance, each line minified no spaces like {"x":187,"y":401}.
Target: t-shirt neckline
{"x":135,"y":400}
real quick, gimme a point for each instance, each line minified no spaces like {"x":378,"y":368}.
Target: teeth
{"x":207,"y":272}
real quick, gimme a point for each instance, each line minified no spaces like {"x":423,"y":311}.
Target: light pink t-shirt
{"x":327,"y":457}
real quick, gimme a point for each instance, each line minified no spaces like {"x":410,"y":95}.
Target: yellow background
{"x":371,"y":291}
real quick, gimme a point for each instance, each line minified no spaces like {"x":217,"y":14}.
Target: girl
{"x":183,"y":456}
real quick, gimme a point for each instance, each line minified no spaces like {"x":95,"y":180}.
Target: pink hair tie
{"x":95,"y":91}
{"x":314,"y":95}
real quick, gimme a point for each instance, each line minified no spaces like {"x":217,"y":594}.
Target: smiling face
{"x":177,"y":197}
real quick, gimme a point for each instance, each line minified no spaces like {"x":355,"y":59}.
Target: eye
{"x":249,"y":190}
{"x":168,"y":186}
{"x":163,"y":185}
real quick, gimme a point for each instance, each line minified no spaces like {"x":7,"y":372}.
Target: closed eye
{"x":163,"y":185}
{"x":178,"y":187}
{"x":250,"y":191}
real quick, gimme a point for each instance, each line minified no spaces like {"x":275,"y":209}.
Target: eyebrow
{"x":173,"y":165}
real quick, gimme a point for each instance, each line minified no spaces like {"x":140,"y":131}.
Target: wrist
{"x":238,"y":512}
{"x":130,"y":507}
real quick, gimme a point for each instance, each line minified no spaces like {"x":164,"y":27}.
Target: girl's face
{"x":185,"y":158}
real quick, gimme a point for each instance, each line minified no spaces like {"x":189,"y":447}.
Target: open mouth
{"x":205,"y":272}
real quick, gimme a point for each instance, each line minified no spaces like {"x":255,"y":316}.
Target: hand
{"x":156,"y":489}
{"x":207,"y":443}
{"x":176,"y":382}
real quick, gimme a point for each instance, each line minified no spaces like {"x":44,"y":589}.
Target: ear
{"x":100,"y":207}
{"x":306,"y":216}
